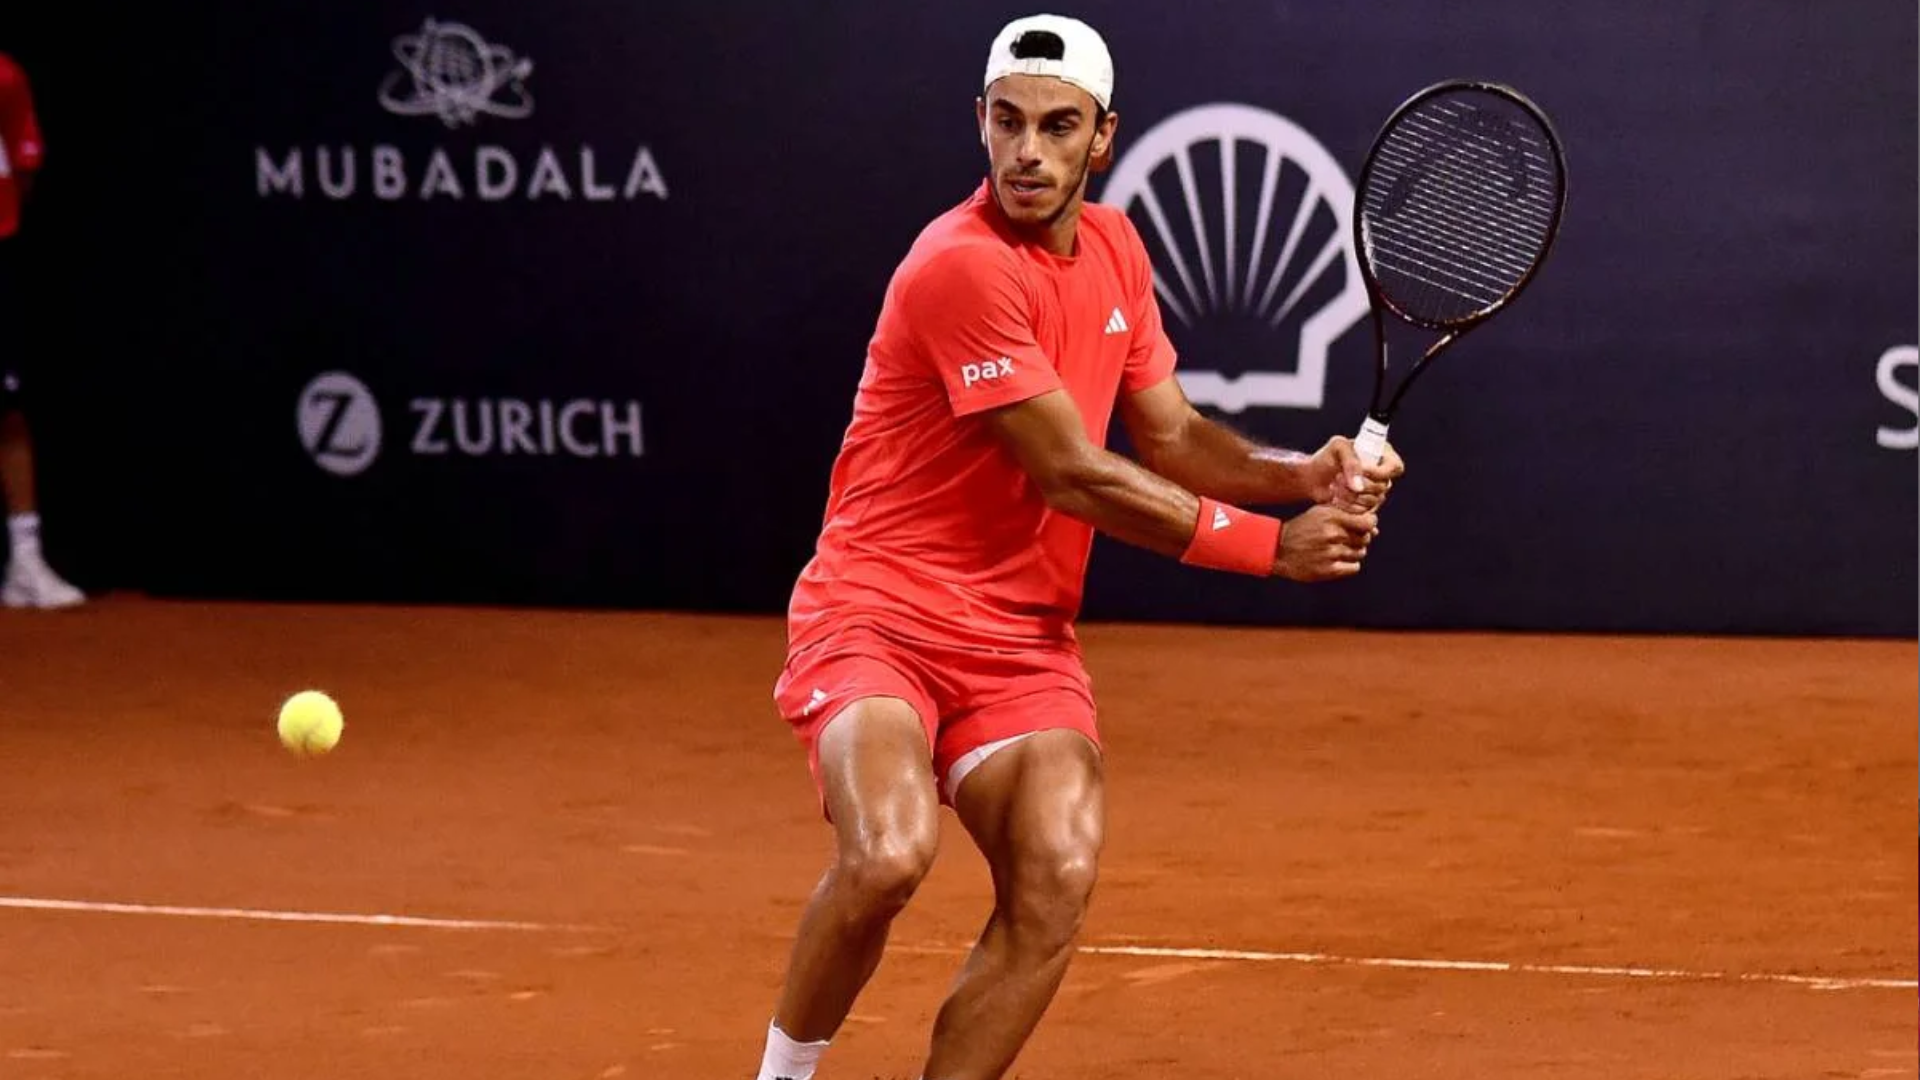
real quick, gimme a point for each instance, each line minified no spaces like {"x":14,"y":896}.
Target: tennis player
{"x":28,"y":582}
{"x":932,"y":655}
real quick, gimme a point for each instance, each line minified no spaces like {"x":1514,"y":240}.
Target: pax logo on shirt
{"x":981,"y":372}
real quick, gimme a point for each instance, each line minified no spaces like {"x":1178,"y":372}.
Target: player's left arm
{"x":1176,"y":440}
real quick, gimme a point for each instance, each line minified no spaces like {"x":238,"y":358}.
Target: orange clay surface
{"x":1721,"y":811}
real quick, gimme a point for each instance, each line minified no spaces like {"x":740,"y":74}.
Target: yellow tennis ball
{"x":310,"y":723}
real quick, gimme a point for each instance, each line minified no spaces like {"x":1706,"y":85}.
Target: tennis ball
{"x":310,"y":723}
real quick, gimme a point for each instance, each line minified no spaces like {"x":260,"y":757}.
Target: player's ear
{"x":980,"y":118}
{"x":1103,"y":142}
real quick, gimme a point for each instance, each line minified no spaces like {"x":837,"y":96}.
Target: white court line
{"x":1816,"y":982}
{"x":30,"y":903}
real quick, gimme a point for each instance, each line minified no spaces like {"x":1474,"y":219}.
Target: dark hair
{"x":1041,"y":44}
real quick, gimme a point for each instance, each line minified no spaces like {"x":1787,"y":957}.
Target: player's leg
{"x":876,"y":777}
{"x":1037,"y":810}
{"x":16,"y":451}
{"x":29,"y":581}
{"x":867,"y":724}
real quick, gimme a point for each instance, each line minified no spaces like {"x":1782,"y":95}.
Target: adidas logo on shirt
{"x":1220,"y":519}
{"x":1116,"y":322}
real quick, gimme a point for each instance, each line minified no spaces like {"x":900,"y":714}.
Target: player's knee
{"x":882,"y":870}
{"x":1054,"y":883}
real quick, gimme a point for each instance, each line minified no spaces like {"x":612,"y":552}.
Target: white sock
{"x":789,"y":1060}
{"x":24,"y":531}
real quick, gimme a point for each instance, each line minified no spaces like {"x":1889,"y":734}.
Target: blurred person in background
{"x":29,"y":581}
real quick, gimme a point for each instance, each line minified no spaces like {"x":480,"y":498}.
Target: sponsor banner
{"x":341,"y":426}
{"x":567,"y":303}
{"x":449,"y":72}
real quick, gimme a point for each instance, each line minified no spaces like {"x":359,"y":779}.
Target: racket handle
{"x":1371,"y":443}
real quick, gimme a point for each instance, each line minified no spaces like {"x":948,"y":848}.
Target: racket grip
{"x":1371,"y":443}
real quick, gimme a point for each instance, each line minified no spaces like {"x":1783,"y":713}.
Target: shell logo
{"x":1248,"y":219}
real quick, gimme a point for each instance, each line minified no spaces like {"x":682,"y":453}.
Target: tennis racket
{"x":1458,"y":202}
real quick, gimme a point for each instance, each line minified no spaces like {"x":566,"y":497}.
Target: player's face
{"x":1041,"y":139}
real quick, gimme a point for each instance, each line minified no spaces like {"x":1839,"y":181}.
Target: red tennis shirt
{"x":20,"y":149}
{"x":932,"y":529}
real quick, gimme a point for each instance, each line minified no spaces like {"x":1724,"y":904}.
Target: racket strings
{"x":1459,"y":206}
{"x":1454,"y":188}
{"x":1466,"y":178}
{"x":1462,"y":158}
{"x":1462,"y":232}
{"x":1497,"y":264}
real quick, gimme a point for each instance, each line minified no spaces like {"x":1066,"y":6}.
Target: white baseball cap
{"x":1066,"y":49}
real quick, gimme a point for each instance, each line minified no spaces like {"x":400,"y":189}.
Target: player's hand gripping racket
{"x":1458,"y":202}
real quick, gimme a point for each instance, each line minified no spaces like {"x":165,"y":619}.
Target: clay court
{"x":573,"y":845}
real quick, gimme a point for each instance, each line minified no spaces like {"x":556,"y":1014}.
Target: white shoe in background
{"x":31,"y":583}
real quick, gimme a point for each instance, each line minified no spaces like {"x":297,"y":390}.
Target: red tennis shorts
{"x":966,"y":697}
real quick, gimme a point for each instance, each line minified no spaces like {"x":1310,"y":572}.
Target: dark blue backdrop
{"x":1700,"y":417}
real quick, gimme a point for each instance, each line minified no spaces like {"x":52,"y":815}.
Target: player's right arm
{"x":970,"y":315}
{"x":1130,"y":503}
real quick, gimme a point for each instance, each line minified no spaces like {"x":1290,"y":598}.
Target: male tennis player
{"x":29,"y":581}
{"x":932,"y":655}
